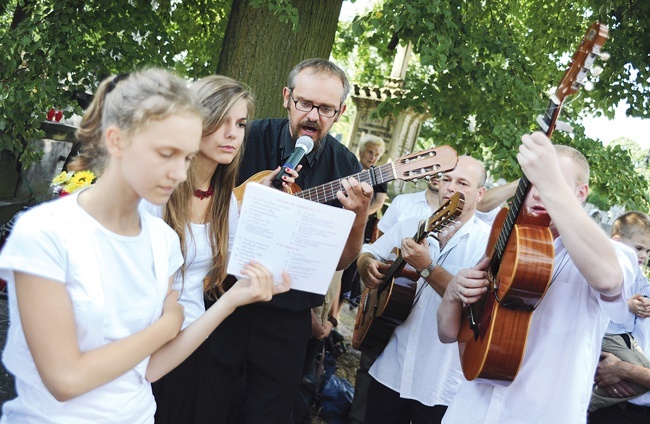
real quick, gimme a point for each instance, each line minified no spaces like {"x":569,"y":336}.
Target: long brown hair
{"x":217,"y":94}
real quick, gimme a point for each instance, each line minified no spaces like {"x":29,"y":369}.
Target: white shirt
{"x":117,"y":285}
{"x":415,"y":363}
{"x":640,"y":286}
{"x":198,"y":260}
{"x":556,"y":376}
{"x":405,"y":206}
{"x":641,"y":334}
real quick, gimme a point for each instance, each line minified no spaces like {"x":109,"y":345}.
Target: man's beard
{"x":295,"y":131}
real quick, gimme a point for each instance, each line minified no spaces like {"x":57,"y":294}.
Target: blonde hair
{"x":630,"y":224}
{"x":372,"y":140}
{"x":578,"y":159}
{"x":217,"y":95}
{"x":130,"y":102}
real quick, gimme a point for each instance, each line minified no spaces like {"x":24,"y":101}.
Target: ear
{"x":115,"y":141}
{"x":582,"y":191}
{"x":285,"y":96}
{"x":480,"y":194}
{"x":341,"y":112}
{"x":616,"y":237}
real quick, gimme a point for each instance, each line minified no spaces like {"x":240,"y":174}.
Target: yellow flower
{"x":61,"y":178}
{"x":69,"y":182}
{"x":83,"y":178}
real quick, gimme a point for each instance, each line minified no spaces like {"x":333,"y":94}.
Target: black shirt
{"x":269,"y":144}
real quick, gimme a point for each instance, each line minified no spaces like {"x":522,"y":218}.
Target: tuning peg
{"x":588,"y":85}
{"x":596,"y":70}
{"x":604,"y":56}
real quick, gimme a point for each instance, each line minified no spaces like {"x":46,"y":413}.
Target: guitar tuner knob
{"x":604,"y":56}
{"x":588,"y":85}
{"x":596,"y":70}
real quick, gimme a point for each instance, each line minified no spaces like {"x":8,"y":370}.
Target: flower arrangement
{"x":68,"y":182}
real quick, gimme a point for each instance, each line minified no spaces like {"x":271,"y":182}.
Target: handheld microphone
{"x":304,"y":145}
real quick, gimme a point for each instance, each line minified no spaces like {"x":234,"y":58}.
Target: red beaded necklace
{"x":201,"y":194}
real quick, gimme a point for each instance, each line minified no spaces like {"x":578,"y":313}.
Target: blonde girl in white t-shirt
{"x":92,"y":312}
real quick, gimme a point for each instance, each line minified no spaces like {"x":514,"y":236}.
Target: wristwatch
{"x":333,"y":320}
{"x":424,"y":273}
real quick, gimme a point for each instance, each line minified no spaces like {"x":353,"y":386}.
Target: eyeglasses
{"x":305,"y":106}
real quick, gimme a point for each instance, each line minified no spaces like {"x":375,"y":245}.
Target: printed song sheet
{"x":285,"y":232}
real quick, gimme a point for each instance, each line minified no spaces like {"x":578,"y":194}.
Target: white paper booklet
{"x":285,"y":232}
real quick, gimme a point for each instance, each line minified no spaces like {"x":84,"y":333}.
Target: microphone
{"x":304,"y":145}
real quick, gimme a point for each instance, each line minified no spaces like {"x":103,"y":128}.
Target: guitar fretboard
{"x":327,"y":192}
{"x":509,"y":224}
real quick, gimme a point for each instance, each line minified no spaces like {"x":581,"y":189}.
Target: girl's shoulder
{"x":54,"y":214}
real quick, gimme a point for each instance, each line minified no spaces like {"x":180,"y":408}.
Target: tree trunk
{"x":260,"y":51}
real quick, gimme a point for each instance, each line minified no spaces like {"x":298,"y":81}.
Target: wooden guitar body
{"x":493,"y":333}
{"x":385,"y":310}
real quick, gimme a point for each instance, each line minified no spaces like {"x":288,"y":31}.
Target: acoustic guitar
{"x":383,"y":308}
{"x":409,"y":167}
{"x":493,"y":334}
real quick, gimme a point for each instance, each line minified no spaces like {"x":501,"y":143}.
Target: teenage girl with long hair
{"x":93,"y":316}
{"x":203,"y":212}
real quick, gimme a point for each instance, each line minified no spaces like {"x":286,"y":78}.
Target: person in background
{"x":268,"y":341}
{"x":563,"y":341}
{"x":633,"y":230}
{"x":93,"y":315}
{"x":371,"y":148}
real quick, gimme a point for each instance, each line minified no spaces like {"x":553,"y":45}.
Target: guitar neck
{"x":514,"y":210}
{"x":400,"y":263}
{"x":327,"y":192}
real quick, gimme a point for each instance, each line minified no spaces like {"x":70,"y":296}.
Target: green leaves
{"x":494,"y":64}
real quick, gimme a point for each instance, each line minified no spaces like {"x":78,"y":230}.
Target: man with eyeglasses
{"x":269,"y":341}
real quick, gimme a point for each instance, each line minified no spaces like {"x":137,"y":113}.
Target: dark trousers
{"x":385,"y":406}
{"x":267,"y":346}
{"x":620,"y":413}
{"x":361,"y":384}
{"x":186,"y":394}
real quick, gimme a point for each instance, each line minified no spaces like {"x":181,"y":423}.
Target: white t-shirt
{"x":555,"y":380}
{"x":415,"y":363}
{"x":199,"y":260}
{"x":117,"y":285}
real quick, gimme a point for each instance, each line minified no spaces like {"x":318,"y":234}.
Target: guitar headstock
{"x":448,"y":211}
{"x":582,"y":61}
{"x":425,"y":163}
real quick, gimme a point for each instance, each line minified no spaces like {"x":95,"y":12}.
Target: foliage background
{"x":482,"y":71}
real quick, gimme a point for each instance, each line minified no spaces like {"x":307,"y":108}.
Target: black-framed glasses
{"x":305,"y":106}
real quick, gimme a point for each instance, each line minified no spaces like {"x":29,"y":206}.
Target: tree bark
{"x":260,"y":51}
